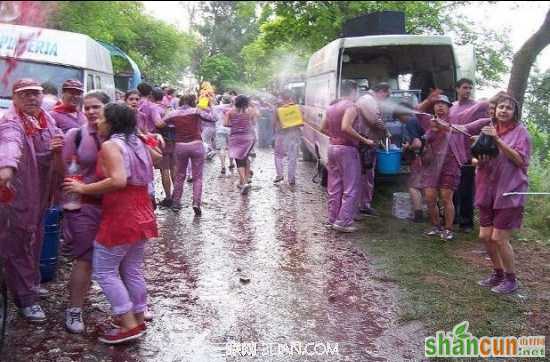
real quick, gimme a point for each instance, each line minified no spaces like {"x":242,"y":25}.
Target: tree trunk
{"x":524,"y":59}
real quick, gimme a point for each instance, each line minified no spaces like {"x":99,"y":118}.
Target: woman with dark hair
{"x":241,"y":119}
{"x":131,"y":98}
{"x":498,"y":180}
{"x":188,"y":147}
{"x":80,"y":226}
{"x":127,"y":220}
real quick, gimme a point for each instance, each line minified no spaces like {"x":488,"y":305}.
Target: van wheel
{"x":306,"y":155}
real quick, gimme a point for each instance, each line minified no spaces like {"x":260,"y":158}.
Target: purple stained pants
{"x":20,"y":249}
{"x":344,"y":171}
{"x":209,"y":137}
{"x":367,"y":188}
{"x":119,"y":272}
{"x":182,"y":154}
{"x":286,"y":144}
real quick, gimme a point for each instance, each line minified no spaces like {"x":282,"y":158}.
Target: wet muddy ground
{"x":256,"y":278}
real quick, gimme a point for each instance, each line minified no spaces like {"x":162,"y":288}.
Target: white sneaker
{"x":73,"y":320}
{"x":148,"y":315}
{"x":42,"y":292}
{"x":34,"y":313}
{"x":344,"y":229}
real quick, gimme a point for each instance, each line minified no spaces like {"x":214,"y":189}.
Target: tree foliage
{"x":159,"y":49}
{"x":219,"y":70}
{"x":537,"y":99}
{"x":305,"y":26}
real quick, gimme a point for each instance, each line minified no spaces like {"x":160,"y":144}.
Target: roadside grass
{"x":439,"y":279}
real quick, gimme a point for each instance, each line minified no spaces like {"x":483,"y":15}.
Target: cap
{"x":73,"y":84}
{"x":26,"y":84}
{"x":444,"y":99}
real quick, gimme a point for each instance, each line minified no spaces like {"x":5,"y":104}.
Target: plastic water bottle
{"x":71,"y":200}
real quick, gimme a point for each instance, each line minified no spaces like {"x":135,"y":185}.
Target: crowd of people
{"x":117,"y":145}
{"x":444,"y":174}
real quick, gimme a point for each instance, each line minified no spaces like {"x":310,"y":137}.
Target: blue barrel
{"x":388,"y":163}
{"x":48,"y":269}
{"x":50,"y":245}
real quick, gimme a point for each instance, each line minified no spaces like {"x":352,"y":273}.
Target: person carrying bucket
{"x":344,"y":168}
{"x":372,"y":127}
{"x":30,"y":162}
{"x":288,"y":121}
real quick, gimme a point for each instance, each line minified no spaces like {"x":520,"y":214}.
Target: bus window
{"x":90,"y":84}
{"x":98,"y":82}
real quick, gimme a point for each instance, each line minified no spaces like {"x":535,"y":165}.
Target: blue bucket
{"x":48,"y":269}
{"x":50,"y":245}
{"x":388,"y":163}
{"x":52,"y":216}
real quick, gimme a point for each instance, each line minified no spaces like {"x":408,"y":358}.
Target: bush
{"x":537,"y":210}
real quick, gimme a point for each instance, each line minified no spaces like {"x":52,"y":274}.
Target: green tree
{"x":309,"y":25}
{"x":220,"y":71}
{"x":537,"y":99}
{"x":227,"y":26}
{"x":159,"y":49}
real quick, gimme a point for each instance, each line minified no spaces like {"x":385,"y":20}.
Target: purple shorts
{"x":502,"y":219}
{"x":82,"y":226}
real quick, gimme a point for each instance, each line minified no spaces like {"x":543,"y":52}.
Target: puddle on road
{"x":259,"y":269}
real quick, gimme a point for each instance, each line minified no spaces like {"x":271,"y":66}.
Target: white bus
{"x":54,"y":56}
{"x":411,"y":64}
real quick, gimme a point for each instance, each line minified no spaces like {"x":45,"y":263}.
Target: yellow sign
{"x":290,"y":116}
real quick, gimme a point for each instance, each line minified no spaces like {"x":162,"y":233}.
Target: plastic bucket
{"x":388,"y":163}
{"x":52,"y":216}
{"x":402,"y":206}
{"x":48,"y":269}
{"x":50,"y":245}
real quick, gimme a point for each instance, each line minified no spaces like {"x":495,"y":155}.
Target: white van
{"x":411,"y":64}
{"x":54,"y":56}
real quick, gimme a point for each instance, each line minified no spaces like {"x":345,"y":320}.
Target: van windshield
{"x":42,"y":72}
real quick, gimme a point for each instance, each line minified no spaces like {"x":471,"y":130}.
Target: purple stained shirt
{"x":87,"y":152}
{"x":464,"y":113}
{"x":152,"y":115}
{"x":67,"y":121}
{"x":137,"y":160}
{"x":335,"y":115}
{"x":500,"y":175}
{"x":34,"y":180}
